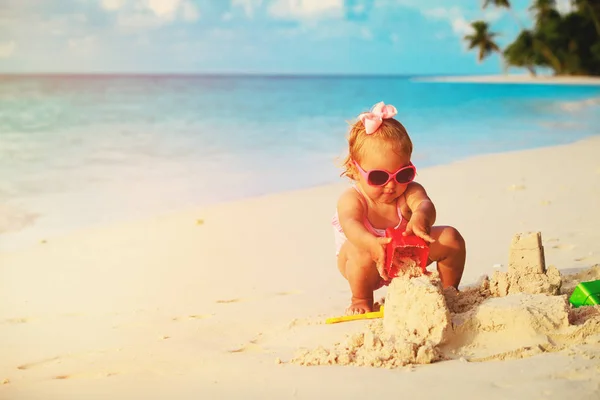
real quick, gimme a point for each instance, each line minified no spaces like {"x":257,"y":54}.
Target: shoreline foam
{"x":22,"y":240}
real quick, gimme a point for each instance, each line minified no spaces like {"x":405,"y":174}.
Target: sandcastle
{"x":527,"y":272}
{"x":516,"y":314}
{"x":417,"y":317}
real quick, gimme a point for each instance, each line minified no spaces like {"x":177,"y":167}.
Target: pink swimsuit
{"x":340,"y":237}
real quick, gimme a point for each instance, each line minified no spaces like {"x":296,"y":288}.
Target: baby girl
{"x":385,"y":195}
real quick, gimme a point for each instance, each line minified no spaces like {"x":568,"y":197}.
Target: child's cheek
{"x":374,"y":191}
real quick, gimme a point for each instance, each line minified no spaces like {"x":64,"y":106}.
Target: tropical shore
{"x":215,"y":302}
{"x":517,"y":78}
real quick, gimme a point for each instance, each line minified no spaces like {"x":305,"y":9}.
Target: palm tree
{"x":594,"y":8}
{"x":503,"y":4}
{"x":543,"y":9}
{"x":522,"y":52}
{"x":547,"y":22}
{"x":544,"y":48}
{"x":577,"y":41}
{"x":497,"y":3}
{"x":482,"y":39}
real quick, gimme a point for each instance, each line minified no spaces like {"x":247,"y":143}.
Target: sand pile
{"x":527,"y":271}
{"x":423,"y":323}
{"x":416,"y":317}
{"x":416,"y":322}
{"x":508,"y":327}
{"x":406,"y":263}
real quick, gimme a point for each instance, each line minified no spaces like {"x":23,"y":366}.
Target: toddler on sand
{"x":385,"y":195}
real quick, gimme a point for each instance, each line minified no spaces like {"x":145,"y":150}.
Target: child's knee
{"x":360,"y":260}
{"x":452,"y":238}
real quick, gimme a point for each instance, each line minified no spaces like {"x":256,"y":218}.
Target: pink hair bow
{"x":372,"y":120}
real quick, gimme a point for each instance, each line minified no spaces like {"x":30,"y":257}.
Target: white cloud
{"x":7,"y":49}
{"x":163,"y":8}
{"x":138,"y":21}
{"x":300,"y":9}
{"x":247,"y":5}
{"x":112,"y":5}
{"x":190,"y":12}
{"x":493,"y":14}
{"x":148,"y":14}
{"x":454,"y":16}
{"x":461,"y":26}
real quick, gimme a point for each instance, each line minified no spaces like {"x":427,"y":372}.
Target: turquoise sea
{"x":78,"y":151}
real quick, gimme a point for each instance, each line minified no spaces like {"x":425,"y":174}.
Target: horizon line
{"x":222,"y":74}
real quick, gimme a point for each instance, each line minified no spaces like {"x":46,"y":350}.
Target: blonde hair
{"x":391,"y":131}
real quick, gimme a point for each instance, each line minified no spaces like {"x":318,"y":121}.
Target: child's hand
{"x":377,"y":251}
{"x":417,"y":225}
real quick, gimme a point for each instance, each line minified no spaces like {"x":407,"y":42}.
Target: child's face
{"x":380,"y":154}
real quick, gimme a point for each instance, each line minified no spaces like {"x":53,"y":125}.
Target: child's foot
{"x":359,"y":306}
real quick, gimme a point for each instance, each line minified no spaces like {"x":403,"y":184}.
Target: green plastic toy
{"x":586,"y":294}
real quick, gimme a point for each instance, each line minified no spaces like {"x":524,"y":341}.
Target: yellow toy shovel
{"x":369,"y":315}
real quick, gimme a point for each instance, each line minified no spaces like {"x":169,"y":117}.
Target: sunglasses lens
{"x":378,"y":177}
{"x":406,"y":175}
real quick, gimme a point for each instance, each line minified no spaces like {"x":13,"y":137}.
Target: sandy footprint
{"x":252,"y":346}
{"x":248,"y":348}
{"x":192,"y":317}
{"x":67,"y":357}
{"x":85,"y":375}
{"x":16,"y":321}
{"x":579,"y":374}
{"x":237,"y":300}
{"x":288,"y":293}
{"x":564,"y":246}
{"x":319,"y":320}
{"x":38,"y":363}
{"x":228,"y":301}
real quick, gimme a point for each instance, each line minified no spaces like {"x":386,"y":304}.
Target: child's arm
{"x":423,"y":212}
{"x":351,"y":214}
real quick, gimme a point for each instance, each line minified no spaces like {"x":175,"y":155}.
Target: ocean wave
{"x":578,"y":105}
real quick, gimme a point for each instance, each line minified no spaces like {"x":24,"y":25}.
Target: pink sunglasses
{"x":380,"y":177}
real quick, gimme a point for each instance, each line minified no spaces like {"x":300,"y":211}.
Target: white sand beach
{"x":517,"y":78}
{"x":215,"y":302}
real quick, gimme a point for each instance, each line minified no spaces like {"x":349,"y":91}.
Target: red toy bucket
{"x":412,"y":247}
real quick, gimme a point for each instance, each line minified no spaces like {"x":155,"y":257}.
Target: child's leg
{"x":362,"y":275}
{"x":449,"y":251}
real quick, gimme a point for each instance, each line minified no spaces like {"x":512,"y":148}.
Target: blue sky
{"x":248,"y":36}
